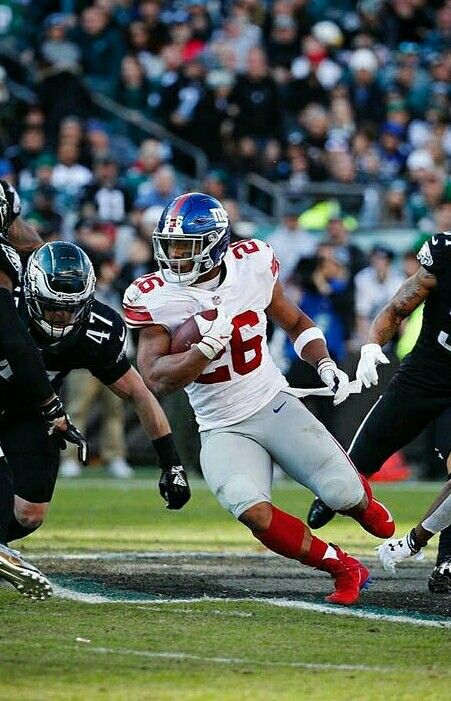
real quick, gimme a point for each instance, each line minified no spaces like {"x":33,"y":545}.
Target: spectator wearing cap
{"x":418,"y":163}
{"x":56,"y":49}
{"x":159,"y":191}
{"x":409,"y":79}
{"x":291,"y":243}
{"x":364,"y":92}
{"x":104,"y":197}
{"x":374,"y":287}
{"x":101,"y":49}
{"x":392,"y":151}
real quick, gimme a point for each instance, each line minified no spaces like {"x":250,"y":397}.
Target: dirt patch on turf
{"x":194,"y":576}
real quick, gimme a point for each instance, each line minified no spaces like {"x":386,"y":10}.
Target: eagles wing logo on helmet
{"x":424,"y":254}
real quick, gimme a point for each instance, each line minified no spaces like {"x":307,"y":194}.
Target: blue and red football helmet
{"x":191,"y":238}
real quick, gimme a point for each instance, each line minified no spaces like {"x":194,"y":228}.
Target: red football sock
{"x":284,"y":535}
{"x":314,"y":557}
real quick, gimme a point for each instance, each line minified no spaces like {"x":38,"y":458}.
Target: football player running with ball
{"x":248,"y":417}
{"x":419,"y":392}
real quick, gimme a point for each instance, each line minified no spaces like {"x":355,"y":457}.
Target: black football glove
{"x":54,"y":414}
{"x":9,"y":206}
{"x":174,"y":487}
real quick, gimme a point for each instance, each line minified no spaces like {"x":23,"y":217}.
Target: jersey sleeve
{"x":435,"y":254}
{"x":144,"y":304}
{"x":111,"y":362}
{"x":269,"y":269}
{"x":10,"y":263}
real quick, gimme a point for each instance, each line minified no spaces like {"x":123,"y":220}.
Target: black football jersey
{"x":10,"y":262}
{"x":98,"y":346}
{"x":429,"y":363}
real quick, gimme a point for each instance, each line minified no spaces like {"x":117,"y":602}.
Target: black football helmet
{"x":59,"y":286}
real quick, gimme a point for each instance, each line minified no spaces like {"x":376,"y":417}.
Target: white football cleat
{"x":119,"y":468}
{"x":26,"y":578}
{"x":69,"y":468}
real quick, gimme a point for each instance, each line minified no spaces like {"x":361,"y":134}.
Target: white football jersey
{"x":244,"y":378}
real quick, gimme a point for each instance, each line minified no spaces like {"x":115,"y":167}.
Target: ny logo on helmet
{"x":219,"y":215}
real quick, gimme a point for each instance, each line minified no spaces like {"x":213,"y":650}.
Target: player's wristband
{"x":166,"y":451}
{"x":311,"y":334}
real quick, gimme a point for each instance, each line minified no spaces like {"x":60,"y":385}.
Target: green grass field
{"x":208,"y":650}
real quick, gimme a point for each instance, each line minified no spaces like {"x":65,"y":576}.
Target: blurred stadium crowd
{"x":300,"y":92}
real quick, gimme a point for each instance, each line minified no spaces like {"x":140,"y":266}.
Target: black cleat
{"x":319,"y":514}
{"x":440,"y":579}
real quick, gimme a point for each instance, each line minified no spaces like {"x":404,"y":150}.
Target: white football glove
{"x":215,"y":334}
{"x":335,"y":379}
{"x":371,"y":356}
{"x":394,"y":551}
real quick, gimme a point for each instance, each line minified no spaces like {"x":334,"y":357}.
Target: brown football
{"x":188,"y":332}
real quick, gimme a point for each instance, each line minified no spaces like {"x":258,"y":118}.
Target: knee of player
{"x":342,"y":494}
{"x":257,"y":517}
{"x":240,"y":495}
{"x":30,"y":515}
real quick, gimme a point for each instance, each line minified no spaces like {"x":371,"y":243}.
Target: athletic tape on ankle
{"x":311,"y":334}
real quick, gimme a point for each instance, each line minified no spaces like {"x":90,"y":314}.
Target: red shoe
{"x":350,"y":578}
{"x":377,"y":520}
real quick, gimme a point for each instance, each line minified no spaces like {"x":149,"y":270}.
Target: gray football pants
{"x":237,"y":460}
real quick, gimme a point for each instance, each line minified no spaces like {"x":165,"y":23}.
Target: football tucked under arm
{"x":209,"y":330}
{"x":188,"y":334}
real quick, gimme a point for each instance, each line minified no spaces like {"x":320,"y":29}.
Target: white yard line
{"x":67,"y":593}
{"x":183,"y":656}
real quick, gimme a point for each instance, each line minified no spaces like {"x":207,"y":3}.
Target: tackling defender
{"x":419,"y":392}
{"x":22,"y":357}
{"x":246,"y":414}
{"x":72,"y":330}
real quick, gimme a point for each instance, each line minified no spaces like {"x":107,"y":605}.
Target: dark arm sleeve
{"x":21,"y":352}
